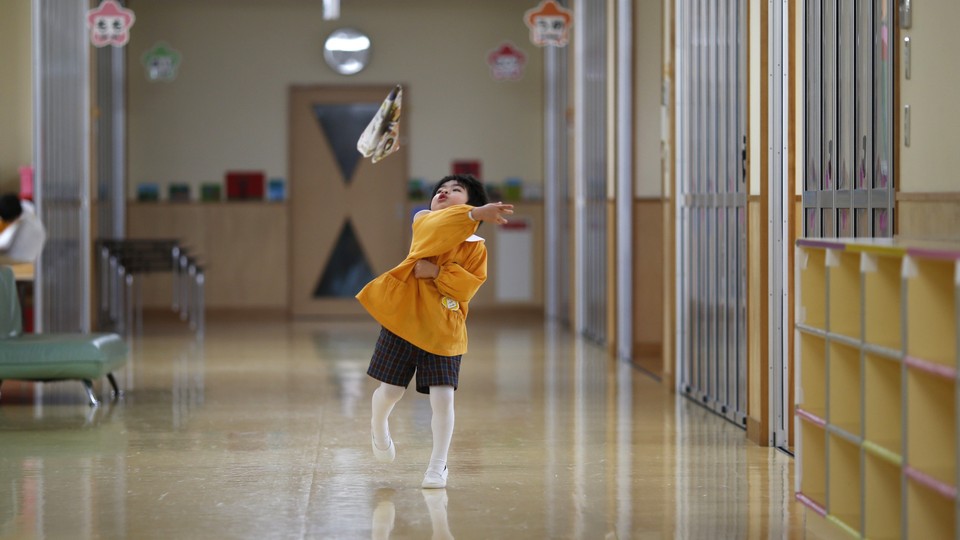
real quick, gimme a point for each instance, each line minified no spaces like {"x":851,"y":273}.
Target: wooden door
{"x":346,"y":213}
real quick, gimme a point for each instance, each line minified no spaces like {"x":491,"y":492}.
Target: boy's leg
{"x":384,"y":398}
{"x":441,"y":402}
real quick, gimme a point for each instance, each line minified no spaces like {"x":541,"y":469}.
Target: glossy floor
{"x":261,"y":430}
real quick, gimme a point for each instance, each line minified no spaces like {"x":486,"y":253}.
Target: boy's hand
{"x":424,"y":269}
{"x":493,"y":212}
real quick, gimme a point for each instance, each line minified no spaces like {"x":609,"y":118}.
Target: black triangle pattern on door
{"x":347,"y":269}
{"x":343,"y":124}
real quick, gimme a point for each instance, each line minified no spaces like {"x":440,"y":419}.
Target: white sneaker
{"x":383,"y":456}
{"x":434,"y":480}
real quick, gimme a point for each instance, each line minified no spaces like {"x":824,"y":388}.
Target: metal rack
{"x":122,"y":261}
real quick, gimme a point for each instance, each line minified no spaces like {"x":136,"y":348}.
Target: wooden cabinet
{"x":877,"y":385}
{"x":244,"y":247}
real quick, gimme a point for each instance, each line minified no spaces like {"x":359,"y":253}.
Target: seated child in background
{"x":22,"y":234}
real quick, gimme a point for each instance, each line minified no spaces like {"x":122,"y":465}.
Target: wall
{"x":648,"y":32}
{"x":929,"y":169}
{"x":228,"y":107}
{"x":16,"y":86}
{"x":648,"y":222}
{"x":932,"y":162}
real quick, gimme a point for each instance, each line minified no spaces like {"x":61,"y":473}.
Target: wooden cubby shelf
{"x":813,"y":375}
{"x":931,"y":311}
{"x":813,"y":289}
{"x":882,"y":500}
{"x":929,"y":513}
{"x":844,"y":482}
{"x":878,"y":381}
{"x":813,"y":472}
{"x":844,"y":298}
{"x":932,"y":425}
{"x":882,"y":403}
{"x":882,"y":296}
{"x":844,"y":386}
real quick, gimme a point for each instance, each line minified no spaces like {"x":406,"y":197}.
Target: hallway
{"x":262,"y":431}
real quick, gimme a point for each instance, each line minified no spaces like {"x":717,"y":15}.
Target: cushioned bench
{"x":53,"y":356}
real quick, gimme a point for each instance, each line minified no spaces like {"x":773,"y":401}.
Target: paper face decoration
{"x":109,"y":24}
{"x":549,"y":24}
{"x":161,"y":62}
{"x":381,"y":136}
{"x":506,"y":62}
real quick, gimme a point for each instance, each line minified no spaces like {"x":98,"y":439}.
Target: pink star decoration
{"x":506,"y":62}
{"x":110,"y":24}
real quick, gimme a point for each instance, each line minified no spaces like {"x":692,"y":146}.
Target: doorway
{"x":346,"y":214}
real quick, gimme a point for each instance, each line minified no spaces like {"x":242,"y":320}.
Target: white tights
{"x":441,"y":402}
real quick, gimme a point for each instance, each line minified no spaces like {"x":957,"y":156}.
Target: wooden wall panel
{"x":928,"y":215}
{"x":755,"y":298}
{"x":243,"y":246}
{"x":648,"y":282}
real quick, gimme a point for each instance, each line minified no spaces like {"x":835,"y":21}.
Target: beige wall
{"x":16,"y":102}
{"x":228,"y":107}
{"x":648,"y":58}
{"x":755,"y":73}
{"x":932,"y":162}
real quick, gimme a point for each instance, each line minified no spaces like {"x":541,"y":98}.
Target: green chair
{"x":53,"y":356}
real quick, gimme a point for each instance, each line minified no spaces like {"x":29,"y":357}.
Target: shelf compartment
{"x":929,"y":513}
{"x":931,"y":310}
{"x":844,"y":297}
{"x":932,"y":426}
{"x":812,"y":463}
{"x":882,"y":498}
{"x":844,"y":392}
{"x":882,"y":300}
{"x":812,"y":396}
{"x":812,"y":310}
{"x":844,"y":482}
{"x":883,"y":412}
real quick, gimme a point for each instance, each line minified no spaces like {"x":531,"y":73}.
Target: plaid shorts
{"x":395,"y":360}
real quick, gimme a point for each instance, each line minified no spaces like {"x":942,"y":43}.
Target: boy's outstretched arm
{"x":492,"y":212}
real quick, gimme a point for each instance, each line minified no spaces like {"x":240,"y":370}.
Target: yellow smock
{"x":432,"y":313}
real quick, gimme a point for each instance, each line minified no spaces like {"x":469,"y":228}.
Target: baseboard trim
{"x":647,"y":349}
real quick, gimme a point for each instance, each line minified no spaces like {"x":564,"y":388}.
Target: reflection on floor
{"x":262,"y":431}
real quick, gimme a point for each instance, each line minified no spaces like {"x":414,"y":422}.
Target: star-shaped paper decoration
{"x":109,"y":24}
{"x":161,"y":62}
{"x":506,"y":62}
{"x":549,"y":24}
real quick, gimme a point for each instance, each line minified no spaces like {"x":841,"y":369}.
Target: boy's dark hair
{"x":476,"y":194}
{"x":10,"y":207}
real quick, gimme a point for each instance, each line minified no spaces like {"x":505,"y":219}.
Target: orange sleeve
{"x":461,"y":280}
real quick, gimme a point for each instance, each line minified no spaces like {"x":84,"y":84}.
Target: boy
{"x":422,"y":305}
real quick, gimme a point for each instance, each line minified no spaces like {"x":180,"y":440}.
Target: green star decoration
{"x":161,"y":62}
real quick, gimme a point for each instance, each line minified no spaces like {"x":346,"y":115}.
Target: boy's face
{"x":449,"y":194}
